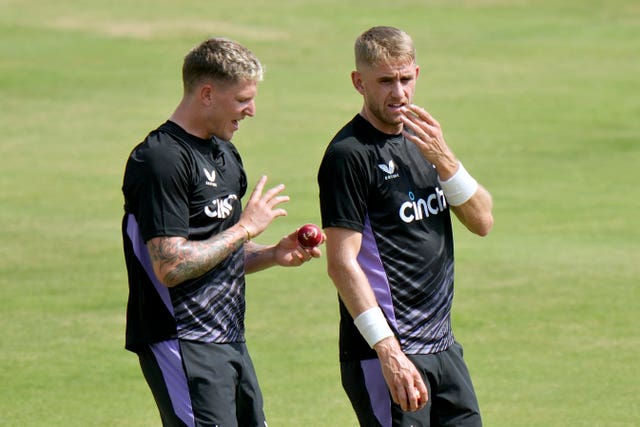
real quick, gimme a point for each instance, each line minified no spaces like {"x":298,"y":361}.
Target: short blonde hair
{"x":220,"y":59}
{"x":380,"y":45}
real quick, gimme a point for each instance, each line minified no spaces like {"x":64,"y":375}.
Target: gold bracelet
{"x":247,"y":230}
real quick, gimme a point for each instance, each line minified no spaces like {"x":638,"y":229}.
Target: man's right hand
{"x":403,"y":379}
{"x":261,"y":209}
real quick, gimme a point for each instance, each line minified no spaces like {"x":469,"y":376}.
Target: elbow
{"x":166,"y":279}
{"x":484,"y":227}
{"x":167,"y":282}
{"x":332,"y":271}
{"x":335,"y":271}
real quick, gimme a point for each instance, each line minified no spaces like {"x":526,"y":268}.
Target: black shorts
{"x":201,"y":384}
{"x":452,"y":399}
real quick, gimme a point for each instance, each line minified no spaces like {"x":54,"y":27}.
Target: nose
{"x":397,"y":89}
{"x":250,"y":110}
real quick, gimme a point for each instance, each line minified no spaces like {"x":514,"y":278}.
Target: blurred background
{"x":540,"y":100}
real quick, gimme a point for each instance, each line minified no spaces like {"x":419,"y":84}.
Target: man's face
{"x":386,"y":88}
{"x":231,"y":103}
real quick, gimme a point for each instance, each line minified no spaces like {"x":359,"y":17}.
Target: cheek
{"x":375,"y":93}
{"x":410,"y":88}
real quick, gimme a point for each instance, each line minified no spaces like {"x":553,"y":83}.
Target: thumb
{"x":293,"y":235}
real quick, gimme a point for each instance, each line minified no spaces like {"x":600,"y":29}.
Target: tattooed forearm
{"x":176,"y":259}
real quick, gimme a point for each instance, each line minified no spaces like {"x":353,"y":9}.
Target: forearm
{"x":258,"y":257}
{"x":353,"y":288}
{"x":348,"y":277}
{"x":470,"y":201}
{"x":176,"y":259}
{"x":356,"y":294}
{"x":476,"y":213}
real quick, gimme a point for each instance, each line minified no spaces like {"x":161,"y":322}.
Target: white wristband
{"x":460,"y":187}
{"x":373,"y":326}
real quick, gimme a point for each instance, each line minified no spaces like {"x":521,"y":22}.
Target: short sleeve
{"x":343,"y":187}
{"x":157,"y":183}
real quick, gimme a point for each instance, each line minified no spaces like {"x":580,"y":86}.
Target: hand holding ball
{"x":310,"y":236}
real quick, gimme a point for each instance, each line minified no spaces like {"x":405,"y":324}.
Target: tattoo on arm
{"x":257,"y":257}
{"x":250,"y":254}
{"x":176,"y":259}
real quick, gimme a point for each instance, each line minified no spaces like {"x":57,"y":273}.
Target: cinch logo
{"x":220,"y":208}
{"x":211,"y":177}
{"x":416,"y":210}
{"x":389,"y":169}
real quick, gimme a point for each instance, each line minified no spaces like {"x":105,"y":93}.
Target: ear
{"x":206,"y":94}
{"x":417,"y":71}
{"x":356,"y":79}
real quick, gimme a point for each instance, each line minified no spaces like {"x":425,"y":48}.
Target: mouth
{"x":396,"y":111}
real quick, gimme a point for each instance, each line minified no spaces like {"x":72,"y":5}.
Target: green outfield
{"x":540,"y":99}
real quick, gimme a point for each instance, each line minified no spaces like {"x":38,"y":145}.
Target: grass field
{"x":540,"y":99}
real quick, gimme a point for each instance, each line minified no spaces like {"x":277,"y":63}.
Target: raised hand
{"x":261,"y":209}
{"x":425,"y":132}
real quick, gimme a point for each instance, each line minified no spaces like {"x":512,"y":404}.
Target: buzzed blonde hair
{"x":220,"y":59}
{"x":380,"y":45}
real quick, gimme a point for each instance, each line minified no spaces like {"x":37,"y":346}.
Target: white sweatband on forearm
{"x":460,"y":187}
{"x":373,"y":326}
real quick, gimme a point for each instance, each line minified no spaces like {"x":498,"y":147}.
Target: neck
{"x":389,"y":129}
{"x":187,"y":118}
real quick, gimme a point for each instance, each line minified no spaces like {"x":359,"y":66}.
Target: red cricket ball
{"x":309,"y":235}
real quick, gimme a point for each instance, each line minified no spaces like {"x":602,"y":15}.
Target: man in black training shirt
{"x":187,"y":246}
{"x":388,"y":184}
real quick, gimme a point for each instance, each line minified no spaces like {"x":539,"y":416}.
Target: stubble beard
{"x":384,"y":117}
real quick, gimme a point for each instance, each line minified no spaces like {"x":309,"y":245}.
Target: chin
{"x":227,"y":136}
{"x":392,"y":121}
